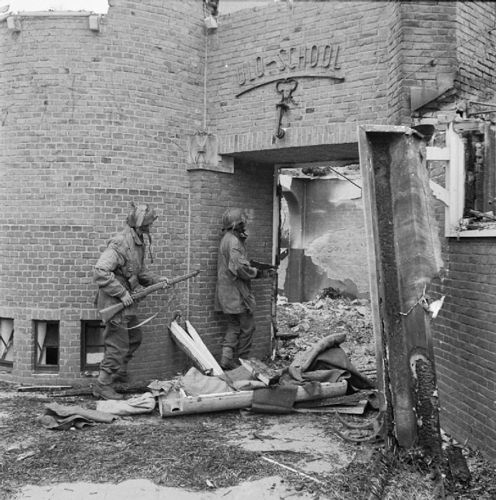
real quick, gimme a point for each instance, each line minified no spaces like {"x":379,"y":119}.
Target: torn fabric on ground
{"x":63,"y":417}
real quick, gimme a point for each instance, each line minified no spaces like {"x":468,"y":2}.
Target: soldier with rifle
{"x":118,"y":272}
{"x":234,"y":296}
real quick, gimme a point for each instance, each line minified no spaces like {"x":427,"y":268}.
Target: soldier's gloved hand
{"x":268,"y":273}
{"x":165,"y":282}
{"x":126,"y":299}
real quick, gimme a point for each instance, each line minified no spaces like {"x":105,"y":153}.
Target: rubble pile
{"x":302,"y":324}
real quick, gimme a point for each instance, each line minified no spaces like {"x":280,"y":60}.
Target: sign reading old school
{"x":318,"y":59}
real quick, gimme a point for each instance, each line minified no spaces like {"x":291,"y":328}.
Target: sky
{"x":101,"y":6}
{"x":98,"y":6}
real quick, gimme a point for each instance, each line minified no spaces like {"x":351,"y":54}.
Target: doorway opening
{"x":323,"y":279}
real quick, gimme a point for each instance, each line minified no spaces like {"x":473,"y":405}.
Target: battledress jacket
{"x":121,"y":268}
{"x":234,"y":275}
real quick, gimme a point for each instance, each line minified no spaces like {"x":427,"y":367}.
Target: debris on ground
{"x":65,"y":417}
{"x":189,"y":341}
{"x":143,"y":403}
{"x":183,"y":401}
{"x":216,"y":452}
{"x":260,"y":371}
{"x":322,"y":371}
{"x":317,"y":319}
{"x":368,"y":431}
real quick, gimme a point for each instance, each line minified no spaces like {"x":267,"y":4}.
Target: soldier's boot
{"x":121,"y":377}
{"x":227,"y":361}
{"x":103,"y":387}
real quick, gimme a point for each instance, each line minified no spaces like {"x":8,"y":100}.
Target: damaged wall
{"x":405,"y":256}
{"x":327,"y":246}
{"x":464,"y":332}
{"x":90,"y":119}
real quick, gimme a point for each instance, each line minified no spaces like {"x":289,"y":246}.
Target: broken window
{"x":47,"y":345}
{"x":479,"y":179}
{"x":92,"y":347}
{"x":6,"y":342}
{"x":470,"y":192}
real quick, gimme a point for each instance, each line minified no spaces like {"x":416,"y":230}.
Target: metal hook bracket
{"x":286,"y":88}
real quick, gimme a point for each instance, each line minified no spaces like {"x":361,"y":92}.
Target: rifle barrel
{"x":109,"y":312}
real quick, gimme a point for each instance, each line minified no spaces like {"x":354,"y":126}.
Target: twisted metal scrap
{"x":376,"y":426}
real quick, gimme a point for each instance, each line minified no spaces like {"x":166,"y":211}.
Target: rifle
{"x":109,"y":312}
{"x":262,"y":266}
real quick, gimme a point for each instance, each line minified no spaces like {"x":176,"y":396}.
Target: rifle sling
{"x":144,"y":322}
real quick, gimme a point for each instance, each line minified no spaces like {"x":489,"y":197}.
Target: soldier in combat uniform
{"x":120,"y":270}
{"x":234,"y":296}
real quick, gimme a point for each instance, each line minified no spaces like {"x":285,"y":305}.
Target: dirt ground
{"x":230,"y":455}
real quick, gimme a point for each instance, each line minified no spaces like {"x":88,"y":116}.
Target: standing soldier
{"x":120,"y":270}
{"x":233,"y":295}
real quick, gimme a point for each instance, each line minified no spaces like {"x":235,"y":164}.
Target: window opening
{"x":6,"y":342}
{"x":478,"y":192}
{"x":47,"y":345}
{"x":479,"y":175}
{"x":470,"y":193}
{"x":92,"y":346}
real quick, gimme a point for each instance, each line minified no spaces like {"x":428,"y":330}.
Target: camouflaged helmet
{"x":141,"y":215}
{"x":232,"y":217}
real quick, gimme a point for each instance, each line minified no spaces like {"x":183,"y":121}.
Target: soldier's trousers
{"x":239,"y":333}
{"x":120,"y":344}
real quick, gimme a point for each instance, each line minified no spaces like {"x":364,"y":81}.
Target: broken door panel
{"x":404,"y":256}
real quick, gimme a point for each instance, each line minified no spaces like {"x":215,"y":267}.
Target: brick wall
{"x":395,"y":98}
{"x":428,"y":48}
{"x":464,"y":332}
{"x":475,"y":50}
{"x":324,"y":112}
{"x":211,"y":193}
{"x":466,"y":343}
{"x":91,"y":121}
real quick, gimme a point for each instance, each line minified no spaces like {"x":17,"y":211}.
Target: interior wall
{"x":326,"y":243}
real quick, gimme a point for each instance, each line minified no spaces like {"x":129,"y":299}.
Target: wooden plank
{"x":187,"y":345}
{"x":455,"y":182}
{"x":440,"y":193}
{"x":347,"y":400}
{"x":174,"y":404}
{"x":357,"y":409}
{"x":216,"y":369}
{"x":260,"y":371}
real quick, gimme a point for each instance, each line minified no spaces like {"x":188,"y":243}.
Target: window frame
{"x":453,"y":195}
{"x":38,"y":367}
{"x":7,"y":346}
{"x":84,"y":325}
